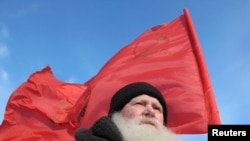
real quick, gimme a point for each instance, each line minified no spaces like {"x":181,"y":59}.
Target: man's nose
{"x":149,"y":111}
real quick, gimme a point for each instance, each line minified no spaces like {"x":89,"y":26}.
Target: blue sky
{"x":76,"y":38}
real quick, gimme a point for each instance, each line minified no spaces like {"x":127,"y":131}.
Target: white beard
{"x":135,"y":131}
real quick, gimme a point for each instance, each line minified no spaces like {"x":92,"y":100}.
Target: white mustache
{"x":148,"y":120}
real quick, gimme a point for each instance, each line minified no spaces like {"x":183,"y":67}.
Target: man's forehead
{"x":145,"y":97}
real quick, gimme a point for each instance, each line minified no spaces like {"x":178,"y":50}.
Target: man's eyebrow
{"x":157,"y":104}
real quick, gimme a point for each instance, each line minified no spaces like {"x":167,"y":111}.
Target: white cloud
{"x":5,"y":91}
{"x":4,"y":32}
{"x":3,"y":50}
{"x":3,"y":75}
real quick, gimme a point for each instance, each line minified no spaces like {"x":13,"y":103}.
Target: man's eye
{"x":138,"y":103}
{"x":157,"y":108}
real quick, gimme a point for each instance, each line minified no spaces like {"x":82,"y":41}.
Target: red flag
{"x":168,"y":56}
{"x":38,"y":109}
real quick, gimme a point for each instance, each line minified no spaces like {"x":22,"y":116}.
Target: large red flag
{"x":168,"y":56}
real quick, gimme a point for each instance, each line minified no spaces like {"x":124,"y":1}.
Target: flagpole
{"x":207,"y":87}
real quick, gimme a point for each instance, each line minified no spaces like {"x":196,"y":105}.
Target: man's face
{"x":143,"y":106}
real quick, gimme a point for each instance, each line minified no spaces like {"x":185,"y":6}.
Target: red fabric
{"x":168,"y":56}
{"x":38,"y":109}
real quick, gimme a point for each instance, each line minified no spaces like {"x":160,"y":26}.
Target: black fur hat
{"x":128,"y":92}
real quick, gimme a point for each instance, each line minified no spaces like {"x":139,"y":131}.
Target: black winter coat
{"x":103,"y":129}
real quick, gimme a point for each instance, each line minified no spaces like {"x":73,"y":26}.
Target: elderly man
{"x":138,"y":112}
